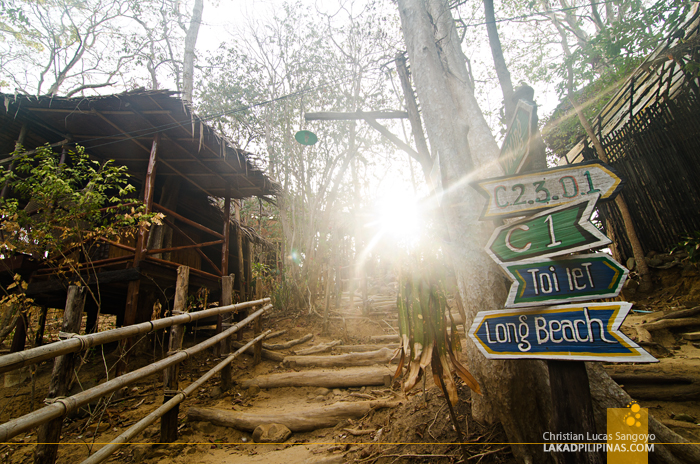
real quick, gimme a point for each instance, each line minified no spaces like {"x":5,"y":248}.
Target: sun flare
{"x":398,"y":217}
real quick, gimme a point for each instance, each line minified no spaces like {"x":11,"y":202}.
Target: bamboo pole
{"x":49,"y":433}
{"x":63,"y":406}
{"x":82,"y":342}
{"x":141,"y":425}
{"x":168,"y":426}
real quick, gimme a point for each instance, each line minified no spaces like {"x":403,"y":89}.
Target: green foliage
{"x":422,"y":305}
{"x":57,"y":207}
{"x":691,"y":245}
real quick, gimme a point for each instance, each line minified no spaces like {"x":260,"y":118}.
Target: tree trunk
{"x":342,"y":360}
{"x":190,"y":43}
{"x":516,"y":391}
{"x":499,"y":62}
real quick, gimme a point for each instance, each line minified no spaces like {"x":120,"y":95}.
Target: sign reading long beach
{"x":528,"y":193}
{"x":582,"y":332}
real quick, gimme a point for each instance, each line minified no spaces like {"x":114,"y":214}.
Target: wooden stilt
{"x":39,"y":340}
{"x":168,"y":423}
{"x":225,"y":345}
{"x":132,"y":293}
{"x":240,"y":277}
{"x":49,"y":433}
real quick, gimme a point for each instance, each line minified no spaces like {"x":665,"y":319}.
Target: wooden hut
{"x":650,"y":129}
{"x":179,"y":166}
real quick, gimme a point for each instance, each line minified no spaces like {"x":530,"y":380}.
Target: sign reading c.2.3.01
{"x":528,"y":193}
{"x":565,"y":279}
{"x":556,"y":231}
{"x":581,"y":332}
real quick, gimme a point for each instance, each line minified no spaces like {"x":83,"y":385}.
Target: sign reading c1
{"x":553,"y":232}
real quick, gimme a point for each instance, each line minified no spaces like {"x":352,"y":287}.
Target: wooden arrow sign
{"x":573,"y":278}
{"x":528,"y":193}
{"x":556,"y":231}
{"x":581,"y":332}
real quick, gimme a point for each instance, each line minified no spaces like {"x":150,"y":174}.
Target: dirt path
{"x":418,"y":426}
{"x":417,"y":430}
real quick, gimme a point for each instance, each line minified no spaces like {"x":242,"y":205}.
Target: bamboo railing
{"x":49,"y":419}
{"x":77,"y":343}
{"x":141,"y":425}
{"x":63,"y":406}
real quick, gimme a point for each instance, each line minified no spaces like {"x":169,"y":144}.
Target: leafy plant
{"x":424,"y":337}
{"x":691,"y":245}
{"x":56,"y":207}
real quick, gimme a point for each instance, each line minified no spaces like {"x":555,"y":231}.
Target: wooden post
{"x":241,"y":266}
{"x":225,"y":345}
{"x":39,"y":340}
{"x":572,"y":406}
{"x":20,"y":337}
{"x":18,"y":145}
{"x":132,"y":292}
{"x":48,"y":434}
{"x":168,"y":423}
{"x":257,"y":350}
{"x":572,"y":409}
{"x":225,"y":247}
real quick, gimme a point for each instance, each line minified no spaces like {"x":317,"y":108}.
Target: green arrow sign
{"x":573,"y":278}
{"x":528,"y":193}
{"x":556,"y":231}
{"x":578,"y":332}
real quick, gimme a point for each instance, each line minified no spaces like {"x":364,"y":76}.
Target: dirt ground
{"x":418,"y":430}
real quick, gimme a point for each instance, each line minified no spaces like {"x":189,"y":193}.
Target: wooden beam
{"x":184,"y":247}
{"x":337,"y":116}
{"x":187,"y":221}
{"x":227,"y":230}
{"x":148,"y":188}
{"x":191,"y":240}
{"x":192,"y":271}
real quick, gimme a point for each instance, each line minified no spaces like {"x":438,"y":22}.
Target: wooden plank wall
{"x":658,"y":155}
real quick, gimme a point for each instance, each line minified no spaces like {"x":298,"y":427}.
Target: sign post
{"x":559,"y":203}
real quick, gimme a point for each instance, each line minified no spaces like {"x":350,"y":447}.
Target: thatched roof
{"x":122,"y":127}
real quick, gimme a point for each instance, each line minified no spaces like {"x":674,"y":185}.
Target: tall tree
{"x":516,"y":392}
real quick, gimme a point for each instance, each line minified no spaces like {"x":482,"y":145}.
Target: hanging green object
{"x":305,"y":137}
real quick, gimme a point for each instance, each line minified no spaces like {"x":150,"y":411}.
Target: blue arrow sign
{"x":580,"y":332}
{"x":576,"y":278}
